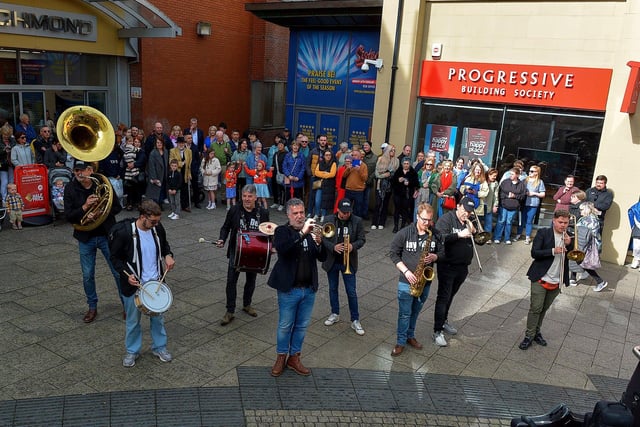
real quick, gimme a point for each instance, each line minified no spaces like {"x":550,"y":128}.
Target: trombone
{"x":576,"y":254}
{"x":481,"y":237}
{"x":473,"y":242}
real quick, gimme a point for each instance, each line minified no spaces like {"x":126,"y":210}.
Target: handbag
{"x":141,"y":177}
{"x":317,"y":184}
{"x":280,"y":179}
{"x":449,"y":202}
{"x":591,"y":258}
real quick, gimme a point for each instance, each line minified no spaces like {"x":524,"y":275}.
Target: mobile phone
{"x":355,"y":162}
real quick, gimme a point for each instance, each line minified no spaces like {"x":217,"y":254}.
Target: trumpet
{"x":327,"y":230}
{"x":481,"y":237}
{"x":473,"y":243}
{"x":575,"y":254}
{"x":345,"y":254}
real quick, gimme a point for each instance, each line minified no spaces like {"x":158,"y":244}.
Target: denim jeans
{"x":408,"y":310}
{"x":366,"y":196}
{"x":357,"y":197}
{"x":294,"y":309}
{"x":312,"y":201}
{"x":333,"y":277}
{"x":504,"y":224}
{"x":488,"y":219}
{"x":318,"y":204}
{"x":4,"y":180}
{"x":528,"y":213}
{"x":133,"y":334}
{"x":88,"y":253}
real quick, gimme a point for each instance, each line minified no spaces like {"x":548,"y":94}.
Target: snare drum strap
{"x":137,"y":250}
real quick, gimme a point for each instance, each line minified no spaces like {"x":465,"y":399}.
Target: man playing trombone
{"x":547,"y":271}
{"x":342,"y":257}
{"x":457,"y":234}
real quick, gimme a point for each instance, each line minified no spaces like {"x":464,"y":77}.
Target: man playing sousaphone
{"x":241,"y":217}
{"x":413,"y":248}
{"x":138,"y":247}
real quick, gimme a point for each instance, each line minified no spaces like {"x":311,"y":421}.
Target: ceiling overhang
{"x":323,"y":14}
{"x":138,"y":18}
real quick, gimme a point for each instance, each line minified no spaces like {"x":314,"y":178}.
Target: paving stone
{"x":177,"y":400}
{"x":133,"y":402}
{"x":133,"y":419}
{"x":214,"y":399}
{"x":260,"y":398}
{"x":447,"y":384}
{"x":37,"y":411}
{"x":326,"y":377}
{"x":84,"y":407}
{"x":408,"y":401}
{"x":373,"y":399}
{"x":223,"y":419}
{"x":364,"y":379}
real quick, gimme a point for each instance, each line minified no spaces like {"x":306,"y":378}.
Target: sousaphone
{"x":87,"y":135}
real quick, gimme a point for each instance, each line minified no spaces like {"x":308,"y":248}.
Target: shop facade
{"x":528,"y":80}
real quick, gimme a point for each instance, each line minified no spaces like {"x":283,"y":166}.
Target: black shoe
{"x":526,"y":343}
{"x":395,"y":229}
{"x":198,"y":206}
{"x":538,"y":338}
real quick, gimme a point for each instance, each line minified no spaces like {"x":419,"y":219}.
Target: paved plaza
{"x":56,"y":370}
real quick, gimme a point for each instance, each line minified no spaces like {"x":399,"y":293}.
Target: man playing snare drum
{"x":138,"y":248}
{"x":243,"y":216}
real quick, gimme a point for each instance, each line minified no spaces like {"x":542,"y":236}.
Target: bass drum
{"x":253,"y":252}
{"x":153,"y":298}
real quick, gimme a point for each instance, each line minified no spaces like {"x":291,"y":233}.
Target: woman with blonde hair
{"x":475,"y":187}
{"x":444,"y":186}
{"x":535,"y":192}
{"x":589,"y":242}
{"x":386,"y":166}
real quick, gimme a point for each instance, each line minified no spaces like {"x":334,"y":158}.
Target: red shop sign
{"x":540,"y":85}
{"x":33,"y":186}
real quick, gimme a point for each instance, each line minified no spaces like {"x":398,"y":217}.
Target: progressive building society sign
{"x":30,"y":21}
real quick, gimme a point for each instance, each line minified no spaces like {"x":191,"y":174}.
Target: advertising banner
{"x":478,"y":143}
{"x":33,"y":186}
{"x":440,"y":139}
{"x":307,"y":124}
{"x":330,"y":126}
{"x":359,"y":129}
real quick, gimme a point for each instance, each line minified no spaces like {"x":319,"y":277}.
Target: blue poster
{"x":330,"y":126}
{"x":307,"y":124}
{"x":362,"y":85}
{"x":359,"y":130}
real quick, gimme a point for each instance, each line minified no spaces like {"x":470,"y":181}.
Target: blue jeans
{"x":408,"y":310}
{"x":349,"y":286}
{"x":318,"y":204}
{"x":488,"y":219}
{"x":133,"y":334}
{"x":88,"y":253}
{"x":4,"y":180}
{"x":357,"y":197}
{"x":366,"y":196}
{"x":528,"y":213}
{"x":504,"y":224}
{"x":312,"y":200}
{"x":295,"y":309}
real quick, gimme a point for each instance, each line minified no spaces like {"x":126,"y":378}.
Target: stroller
{"x":65,"y":175}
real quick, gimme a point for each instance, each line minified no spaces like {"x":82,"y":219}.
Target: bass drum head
{"x":154,"y":298}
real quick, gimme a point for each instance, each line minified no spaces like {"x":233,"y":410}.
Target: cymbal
{"x":268,"y":228}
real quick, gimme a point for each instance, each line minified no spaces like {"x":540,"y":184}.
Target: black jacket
{"x":542,"y":254}
{"x":288,"y":244}
{"x":356,"y":236}
{"x":456,"y":250}
{"x":121,"y":246}
{"x":75,"y":195}
{"x":239,"y":219}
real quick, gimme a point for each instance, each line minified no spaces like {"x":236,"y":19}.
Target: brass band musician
{"x":416,"y":245}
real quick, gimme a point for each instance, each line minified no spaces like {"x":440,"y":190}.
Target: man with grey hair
{"x":245,"y":216}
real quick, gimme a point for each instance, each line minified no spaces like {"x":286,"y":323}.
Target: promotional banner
{"x":307,"y":124}
{"x":440,"y":139}
{"x":362,"y":85}
{"x":359,"y":129}
{"x":33,"y":186}
{"x":330,"y":126}
{"x":478,"y":143}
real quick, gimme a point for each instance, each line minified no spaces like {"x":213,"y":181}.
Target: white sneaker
{"x":508,"y":242}
{"x":381,"y":227}
{"x":497,"y":242}
{"x":228,"y":207}
{"x":171,"y":215}
{"x":129,"y":360}
{"x":449,"y":328}
{"x":274,"y":206}
{"x":175,"y":217}
{"x":439,"y":339}
{"x":163,"y":355}
{"x":165,"y":201}
{"x":332,"y":319}
{"x":600,"y":286}
{"x":281,"y":207}
{"x":213,"y":205}
{"x":356,"y":326}
{"x":573,"y":282}
{"x":527,"y":240}
{"x":373,"y":227}
{"x":635,"y":264}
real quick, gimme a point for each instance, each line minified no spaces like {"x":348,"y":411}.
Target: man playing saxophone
{"x":453,"y":267}
{"x":413,"y":248}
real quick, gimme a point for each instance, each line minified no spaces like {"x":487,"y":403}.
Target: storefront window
{"x":8,"y":67}
{"x":563,"y":142}
{"x":87,"y":70}
{"x":42,"y":68}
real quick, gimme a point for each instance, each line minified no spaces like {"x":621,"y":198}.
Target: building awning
{"x":327,"y":14}
{"x":138,"y":18}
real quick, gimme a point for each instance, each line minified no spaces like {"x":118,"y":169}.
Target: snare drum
{"x":153,"y":298}
{"x":253,"y":252}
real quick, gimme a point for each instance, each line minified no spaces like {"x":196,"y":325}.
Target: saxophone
{"x":423,"y":272}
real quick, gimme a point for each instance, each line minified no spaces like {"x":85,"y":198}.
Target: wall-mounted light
{"x":375,"y":62}
{"x":203,"y":28}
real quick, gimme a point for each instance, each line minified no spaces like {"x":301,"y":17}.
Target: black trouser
{"x":195,"y":190}
{"x":382,"y":206}
{"x":450,"y":278}
{"x":232,"y":287}
{"x":403,"y":208}
{"x":184,"y":195}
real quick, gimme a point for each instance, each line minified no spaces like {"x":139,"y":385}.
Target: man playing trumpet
{"x":453,"y":268}
{"x":414,"y":245}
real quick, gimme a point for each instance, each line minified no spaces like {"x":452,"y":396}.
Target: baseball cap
{"x":468,"y":204}
{"x":80,"y":165}
{"x":344,"y":205}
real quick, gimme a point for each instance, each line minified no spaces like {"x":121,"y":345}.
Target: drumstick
{"x":161,"y":281}
{"x":203,"y":240}
{"x":143,"y":289}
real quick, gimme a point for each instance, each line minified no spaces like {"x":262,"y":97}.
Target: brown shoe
{"x":187,"y":210}
{"x":278,"y":367}
{"x":294,"y":363}
{"x":250,"y":311}
{"x":228,"y":317}
{"x":90,"y":316}
{"x":397,"y":350}
{"x":414,"y":343}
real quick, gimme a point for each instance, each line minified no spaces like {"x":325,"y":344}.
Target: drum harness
{"x":137,"y":256}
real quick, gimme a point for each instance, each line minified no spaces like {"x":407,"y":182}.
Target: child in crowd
{"x":260,"y":176}
{"x":14,"y":205}
{"x":231,"y":180}
{"x":210,"y":169}
{"x":174,"y":182}
{"x":57,"y":194}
